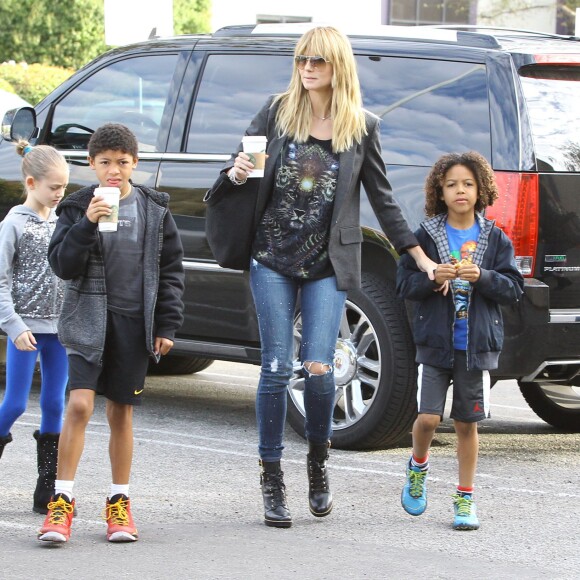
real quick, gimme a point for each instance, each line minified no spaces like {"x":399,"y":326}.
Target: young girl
{"x":458,"y":334}
{"x":30,"y":299}
{"x":322,"y":145}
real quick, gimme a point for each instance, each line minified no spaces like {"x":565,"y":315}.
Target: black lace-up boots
{"x":276,"y":513}
{"x":4,"y":441}
{"x":46,"y":456}
{"x":319,"y":494}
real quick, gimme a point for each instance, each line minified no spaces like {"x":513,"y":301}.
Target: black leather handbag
{"x":230,"y":221}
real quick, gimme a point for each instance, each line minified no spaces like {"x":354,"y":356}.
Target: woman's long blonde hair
{"x":295,"y":112}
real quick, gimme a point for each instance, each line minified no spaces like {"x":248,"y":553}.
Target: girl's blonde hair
{"x":40,"y":160}
{"x":295,"y":113}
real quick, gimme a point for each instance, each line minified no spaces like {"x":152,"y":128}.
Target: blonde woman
{"x":321,"y":146}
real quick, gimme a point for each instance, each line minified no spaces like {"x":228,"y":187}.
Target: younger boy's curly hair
{"x":113,"y":137}
{"x":486,"y":187}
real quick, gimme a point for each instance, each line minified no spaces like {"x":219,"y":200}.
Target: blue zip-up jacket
{"x":75,"y":255}
{"x":500,"y":283}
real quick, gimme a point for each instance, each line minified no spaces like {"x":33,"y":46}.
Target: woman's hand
{"x":25,"y":341}
{"x":242,"y":166}
{"x":424,"y":263}
{"x":241,"y":169}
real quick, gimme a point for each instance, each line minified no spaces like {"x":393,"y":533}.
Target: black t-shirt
{"x":292,"y":237}
{"x":123,"y":257}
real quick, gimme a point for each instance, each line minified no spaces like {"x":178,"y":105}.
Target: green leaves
{"x":70,"y":33}
{"x":67,"y":33}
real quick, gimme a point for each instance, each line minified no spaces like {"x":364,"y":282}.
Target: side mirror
{"x":19,"y":124}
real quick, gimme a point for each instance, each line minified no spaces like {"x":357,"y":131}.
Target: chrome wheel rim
{"x":565,"y":396}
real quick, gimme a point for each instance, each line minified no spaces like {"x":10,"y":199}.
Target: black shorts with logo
{"x":121,"y":377}
{"x":471,"y":390}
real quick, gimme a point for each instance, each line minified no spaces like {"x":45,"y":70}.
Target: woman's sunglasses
{"x":318,"y":62}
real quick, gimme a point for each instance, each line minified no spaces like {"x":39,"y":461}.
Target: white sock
{"x":420,"y":466}
{"x":117,"y":488}
{"x":65,"y":487}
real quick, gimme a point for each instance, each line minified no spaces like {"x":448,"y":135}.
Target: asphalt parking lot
{"x":196,"y":497}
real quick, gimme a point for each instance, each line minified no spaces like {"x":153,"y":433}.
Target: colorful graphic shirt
{"x":292,"y":237}
{"x":462,"y":244}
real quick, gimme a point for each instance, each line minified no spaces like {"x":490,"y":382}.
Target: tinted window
{"x":428,"y":108}
{"x":233,"y":89}
{"x":133,"y":92}
{"x":552,"y":96}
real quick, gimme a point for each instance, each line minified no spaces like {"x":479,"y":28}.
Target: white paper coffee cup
{"x":111,"y":195}
{"x":255,"y":148}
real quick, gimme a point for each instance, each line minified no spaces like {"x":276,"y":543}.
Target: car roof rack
{"x":386,"y":31}
{"x":501,"y":30}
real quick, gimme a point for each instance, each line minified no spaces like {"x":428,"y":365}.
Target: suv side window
{"x":428,"y":107}
{"x":133,"y":91}
{"x":233,"y":89}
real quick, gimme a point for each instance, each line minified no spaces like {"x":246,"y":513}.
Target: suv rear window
{"x":552,"y":95}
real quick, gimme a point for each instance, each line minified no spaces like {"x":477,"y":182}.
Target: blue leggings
{"x":19,"y":373}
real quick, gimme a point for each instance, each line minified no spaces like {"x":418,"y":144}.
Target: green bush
{"x":32,"y":82}
{"x":6,"y":86}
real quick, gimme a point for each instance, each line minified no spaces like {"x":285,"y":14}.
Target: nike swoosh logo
{"x":136,"y":392}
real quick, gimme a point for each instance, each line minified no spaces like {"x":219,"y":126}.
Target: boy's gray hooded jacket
{"x":75,"y":255}
{"x":30,"y":294}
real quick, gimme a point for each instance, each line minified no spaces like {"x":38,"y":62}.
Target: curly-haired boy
{"x":458,"y":334}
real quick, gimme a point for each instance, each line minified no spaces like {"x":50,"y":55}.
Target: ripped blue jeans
{"x":321,"y":306}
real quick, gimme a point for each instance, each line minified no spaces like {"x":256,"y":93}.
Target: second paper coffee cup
{"x":255,"y":149}
{"x":111,"y":195}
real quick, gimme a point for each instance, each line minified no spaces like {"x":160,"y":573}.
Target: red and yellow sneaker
{"x":58,"y":522}
{"x":120,"y":524}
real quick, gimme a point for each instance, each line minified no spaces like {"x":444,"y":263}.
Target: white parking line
{"x":227,"y":375}
{"x":12,"y":525}
{"x":338,"y":462}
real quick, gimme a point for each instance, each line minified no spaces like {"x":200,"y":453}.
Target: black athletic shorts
{"x":121,"y":377}
{"x":471,"y":390}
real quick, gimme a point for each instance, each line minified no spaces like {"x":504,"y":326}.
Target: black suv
{"x":511,"y":95}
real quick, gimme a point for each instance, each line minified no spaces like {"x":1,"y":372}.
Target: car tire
{"x":377,"y":407}
{"x":179,"y":365}
{"x":556,"y":403}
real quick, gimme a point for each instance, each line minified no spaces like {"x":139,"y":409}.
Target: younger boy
{"x":458,"y":334}
{"x":122,"y":305}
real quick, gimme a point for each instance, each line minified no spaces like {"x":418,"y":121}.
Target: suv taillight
{"x":516,"y":212}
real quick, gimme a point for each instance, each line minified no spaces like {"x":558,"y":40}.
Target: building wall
{"x":528,"y":14}
{"x":537,"y":15}
{"x":226,"y":12}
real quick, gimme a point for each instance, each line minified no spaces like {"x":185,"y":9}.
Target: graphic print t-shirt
{"x":292,"y":237}
{"x":462,"y":244}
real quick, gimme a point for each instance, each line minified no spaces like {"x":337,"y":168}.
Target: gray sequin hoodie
{"x":30,"y":294}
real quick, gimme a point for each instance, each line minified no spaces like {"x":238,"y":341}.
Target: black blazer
{"x":362,"y":163}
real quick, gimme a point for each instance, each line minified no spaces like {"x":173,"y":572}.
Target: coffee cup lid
{"x":250,"y":138}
